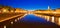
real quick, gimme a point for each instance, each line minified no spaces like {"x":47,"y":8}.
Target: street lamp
{"x":4,"y":10}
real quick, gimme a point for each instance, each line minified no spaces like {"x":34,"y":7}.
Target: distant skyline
{"x":32,"y":4}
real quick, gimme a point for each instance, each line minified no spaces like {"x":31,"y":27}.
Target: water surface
{"x":36,"y":22}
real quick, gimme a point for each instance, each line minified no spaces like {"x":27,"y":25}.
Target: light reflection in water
{"x":4,"y":26}
{"x":59,"y":21}
{"x":48,"y":18}
{"x":53,"y":19}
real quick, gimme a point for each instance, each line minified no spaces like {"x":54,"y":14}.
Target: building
{"x":58,"y":9}
{"x":0,"y":10}
{"x":3,"y":10}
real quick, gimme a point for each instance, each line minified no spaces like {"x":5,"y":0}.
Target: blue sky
{"x":32,"y":4}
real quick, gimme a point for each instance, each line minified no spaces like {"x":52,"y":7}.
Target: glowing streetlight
{"x":11,"y":22}
{"x":4,"y":10}
{"x":54,"y":12}
{"x":11,"y":11}
{"x":15,"y":20}
{"x":18,"y":18}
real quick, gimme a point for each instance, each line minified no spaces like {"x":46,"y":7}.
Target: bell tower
{"x":49,"y":8}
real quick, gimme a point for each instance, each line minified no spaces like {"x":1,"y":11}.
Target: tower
{"x":49,"y":8}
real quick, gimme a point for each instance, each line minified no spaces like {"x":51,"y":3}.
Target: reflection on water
{"x":59,"y":21}
{"x":29,"y":21}
{"x":53,"y":19}
{"x":32,"y":18}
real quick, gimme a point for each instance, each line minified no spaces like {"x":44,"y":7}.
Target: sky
{"x":32,"y":4}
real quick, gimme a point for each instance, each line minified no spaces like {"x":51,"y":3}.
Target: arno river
{"x":30,"y":21}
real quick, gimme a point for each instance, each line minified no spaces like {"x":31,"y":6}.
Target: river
{"x":36,"y":22}
{"x":29,"y":21}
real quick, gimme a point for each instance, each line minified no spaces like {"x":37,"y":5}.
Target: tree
{"x":14,"y":9}
{"x":1,"y":6}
